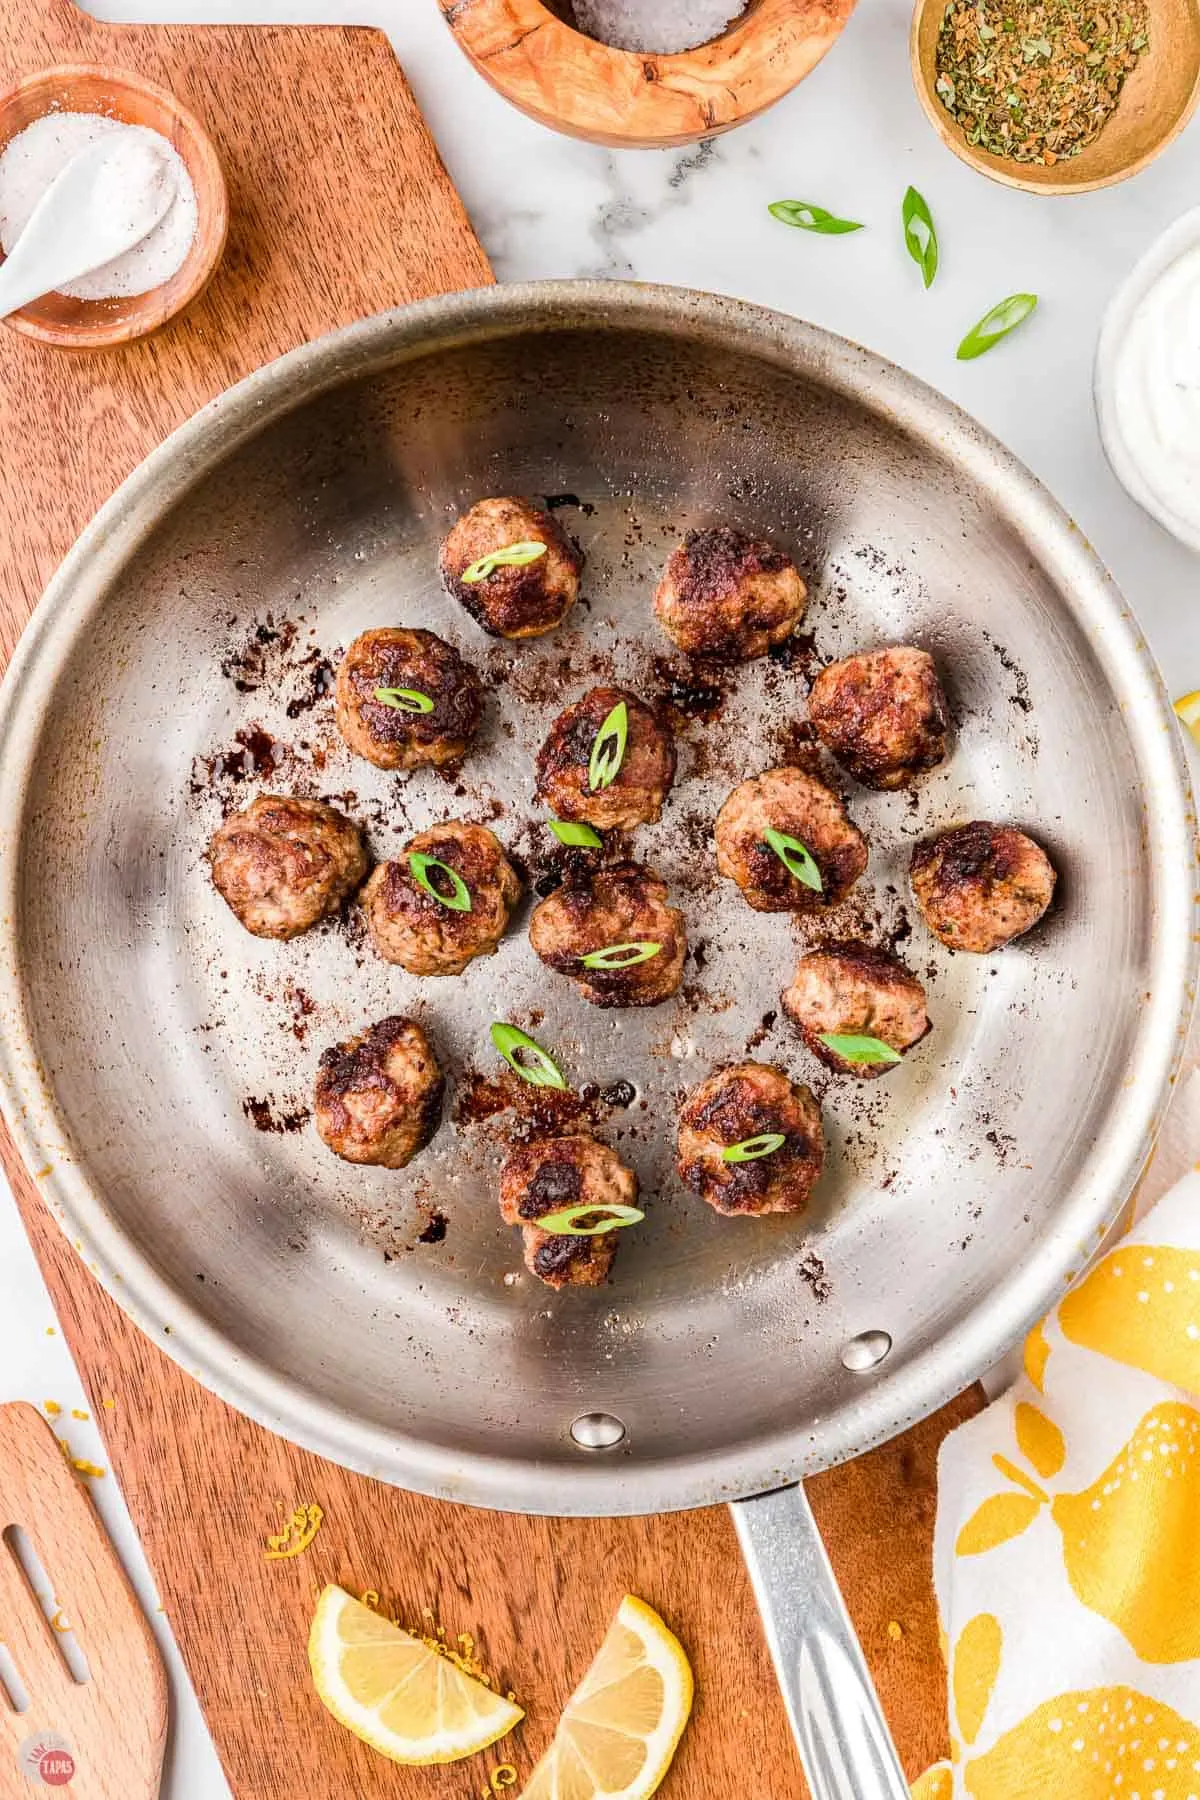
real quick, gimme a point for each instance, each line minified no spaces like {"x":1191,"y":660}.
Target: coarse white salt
{"x":37,"y":155}
{"x":659,"y":26}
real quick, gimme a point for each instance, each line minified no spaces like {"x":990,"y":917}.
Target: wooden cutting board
{"x":341,"y":207}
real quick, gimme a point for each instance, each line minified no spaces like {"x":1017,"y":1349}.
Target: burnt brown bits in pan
{"x":432,"y":705}
{"x":613,"y":910}
{"x":800,"y":807}
{"x":727,"y":595}
{"x":635,"y":794}
{"x":882,"y":714}
{"x":737,"y":1105}
{"x":417,"y":929}
{"x":514,"y":600}
{"x":282,"y":864}
{"x":378,"y":1097}
{"x":856,"y":990}
{"x":549,"y":1176}
{"x":981,"y":885}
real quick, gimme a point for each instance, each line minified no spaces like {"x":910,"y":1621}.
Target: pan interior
{"x":159,"y":1022}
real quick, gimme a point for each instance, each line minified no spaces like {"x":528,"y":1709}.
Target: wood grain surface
{"x":116,"y":1721}
{"x":634,"y":99}
{"x":341,"y":207}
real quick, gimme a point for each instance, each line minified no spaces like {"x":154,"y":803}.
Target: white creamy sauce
{"x":32,"y":160}
{"x":1156,"y":388}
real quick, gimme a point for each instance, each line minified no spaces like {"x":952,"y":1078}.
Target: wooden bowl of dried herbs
{"x":1057,"y":96}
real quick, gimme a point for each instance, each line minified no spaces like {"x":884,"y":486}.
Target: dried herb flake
{"x":1036,"y":81}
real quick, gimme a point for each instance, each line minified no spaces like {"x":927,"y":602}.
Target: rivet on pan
{"x":866,"y":1350}
{"x":598,"y":1431}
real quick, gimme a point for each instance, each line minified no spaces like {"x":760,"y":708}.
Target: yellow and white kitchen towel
{"x":1067,"y":1550}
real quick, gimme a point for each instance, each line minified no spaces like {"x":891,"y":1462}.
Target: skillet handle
{"x":845,"y":1747}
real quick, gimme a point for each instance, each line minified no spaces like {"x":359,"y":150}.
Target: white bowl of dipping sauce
{"x":1147,"y":380}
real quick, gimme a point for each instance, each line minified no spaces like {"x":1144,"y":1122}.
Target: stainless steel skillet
{"x":143,"y":1035}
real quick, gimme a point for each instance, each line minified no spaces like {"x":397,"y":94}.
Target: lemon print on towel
{"x":1131,"y":1547}
{"x":1141,"y":1306}
{"x":1131,"y":1542}
{"x":1098,"y":1744}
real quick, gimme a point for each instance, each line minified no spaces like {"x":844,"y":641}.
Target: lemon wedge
{"x":394,"y":1692}
{"x":620,"y":1727}
{"x":1188,"y":709}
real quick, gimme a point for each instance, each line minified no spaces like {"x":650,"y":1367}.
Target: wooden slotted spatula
{"x":95,"y":1739}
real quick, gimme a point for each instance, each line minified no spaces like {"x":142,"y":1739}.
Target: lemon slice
{"x":620,"y":1727}
{"x":1188,"y":709}
{"x":394,"y":1692}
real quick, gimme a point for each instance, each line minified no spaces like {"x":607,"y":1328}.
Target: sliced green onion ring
{"x":525,"y":1057}
{"x":608,"y":748}
{"x":410,"y":700}
{"x":583,"y":836}
{"x":567,"y":1222}
{"x":620,"y":956}
{"x":1004,"y":317}
{"x":796,"y":858}
{"x":750,"y":1149}
{"x":458,"y":900}
{"x":920,"y":235}
{"x":806,"y":217}
{"x":855,"y":1049}
{"x":512,"y":556}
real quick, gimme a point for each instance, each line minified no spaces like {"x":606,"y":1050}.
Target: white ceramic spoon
{"x":106,"y":200}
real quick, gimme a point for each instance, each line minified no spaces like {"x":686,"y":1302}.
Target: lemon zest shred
{"x":82,"y":1466}
{"x":77,"y":1412}
{"x":51,"y":1408}
{"x":503,"y":1777}
{"x":297,"y":1534}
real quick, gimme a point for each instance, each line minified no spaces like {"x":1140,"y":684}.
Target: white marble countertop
{"x":851,"y":139}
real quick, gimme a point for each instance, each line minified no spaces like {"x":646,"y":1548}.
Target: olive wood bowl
{"x":531,"y":53}
{"x":1157,"y":100}
{"x":73,"y":324}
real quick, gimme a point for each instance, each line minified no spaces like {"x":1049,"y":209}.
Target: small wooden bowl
{"x":539,"y":62}
{"x":83,"y":87}
{"x":1157,"y":100}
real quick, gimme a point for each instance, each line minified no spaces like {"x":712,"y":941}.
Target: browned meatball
{"x":635,"y":794}
{"x":549,"y":1176}
{"x":414,"y":928}
{"x":855,"y":990}
{"x":883,"y":714}
{"x":798,"y":806}
{"x":403,"y":730}
{"x":728,"y":595}
{"x":617,"y":909}
{"x":515,"y":600}
{"x":282,"y":864}
{"x":981,"y":885}
{"x":378,"y":1097}
{"x":748,"y":1101}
